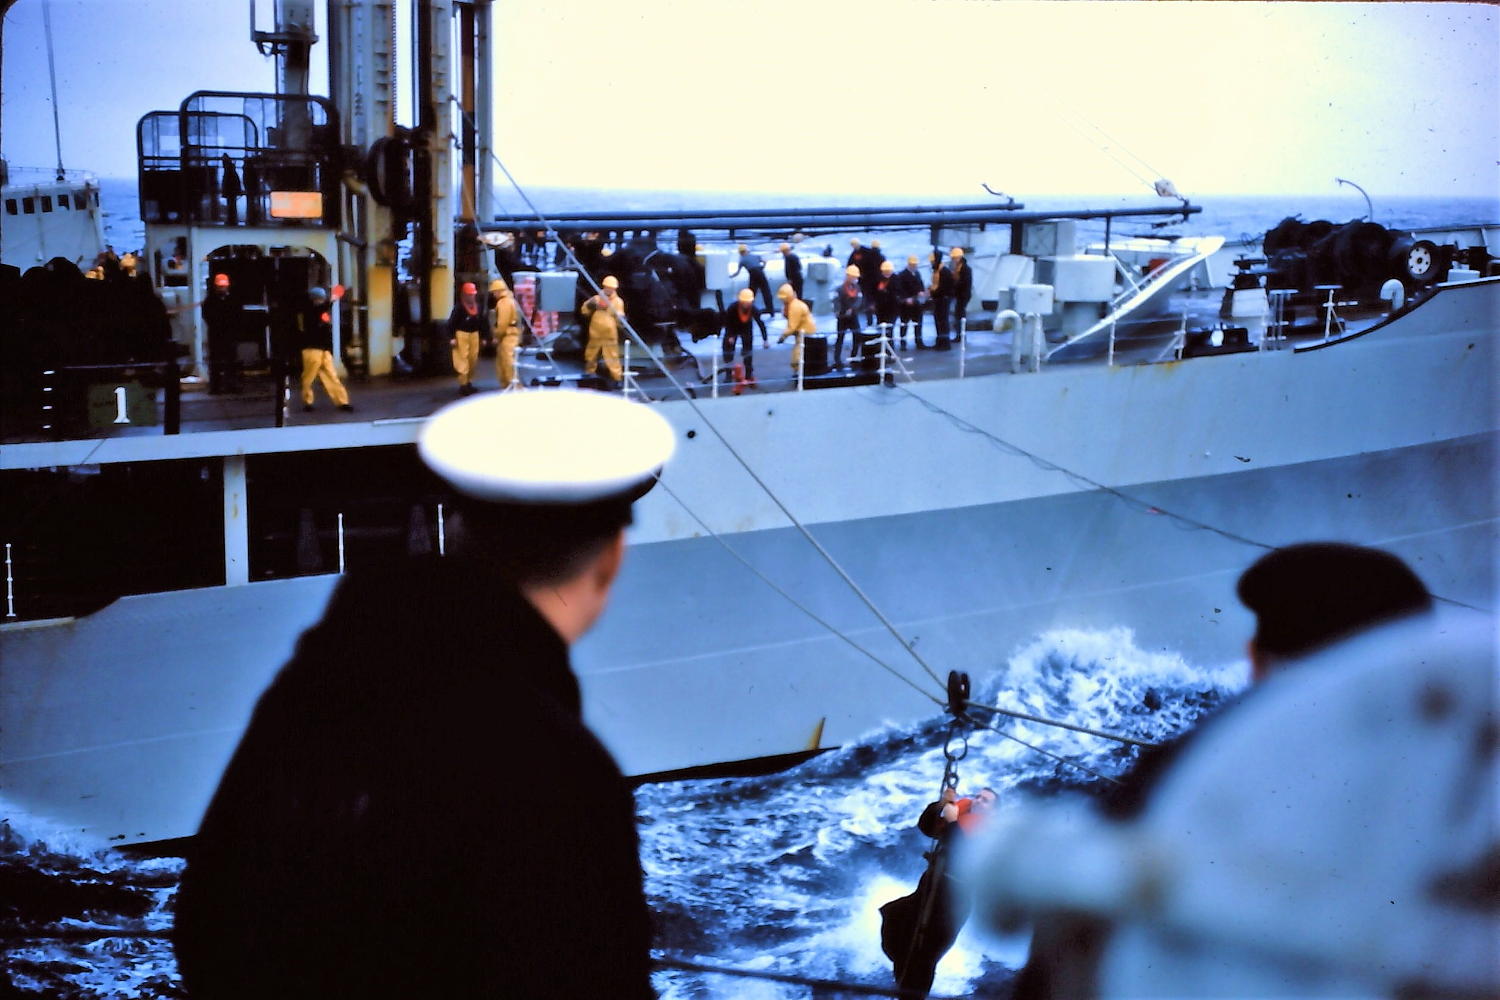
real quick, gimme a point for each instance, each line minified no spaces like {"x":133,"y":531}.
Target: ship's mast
{"x":362,"y":72}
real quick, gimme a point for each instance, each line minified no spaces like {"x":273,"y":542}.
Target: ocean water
{"x":783,"y":873}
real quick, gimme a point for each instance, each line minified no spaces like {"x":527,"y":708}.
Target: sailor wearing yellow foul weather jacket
{"x":506,"y":331}
{"x":464,"y":332}
{"x":799,"y":321}
{"x":604,"y":313}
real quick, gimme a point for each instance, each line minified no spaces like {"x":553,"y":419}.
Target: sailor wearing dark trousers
{"x":887,"y":304}
{"x":910,"y":291}
{"x":869,"y":274}
{"x":793,"y":265}
{"x":225,"y":320}
{"x":963,"y":288}
{"x":740,"y":320}
{"x":417,"y":808}
{"x":940,"y":294}
{"x":848,"y":303}
{"x":755,"y":269}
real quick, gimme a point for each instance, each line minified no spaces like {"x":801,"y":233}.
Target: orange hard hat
{"x":221,"y":280}
{"x":468,"y":288}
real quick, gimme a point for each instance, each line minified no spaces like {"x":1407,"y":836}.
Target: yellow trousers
{"x":505,"y":358}
{"x":318,"y":364}
{"x":609,"y":346}
{"x":465,"y":354}
{"x":796,"y":348}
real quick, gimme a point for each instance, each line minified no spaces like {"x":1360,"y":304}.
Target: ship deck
{"x":402,"y":397}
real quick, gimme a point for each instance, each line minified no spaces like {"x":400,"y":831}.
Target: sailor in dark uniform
{"x":793,"y":265}
{"x":417,"y":808}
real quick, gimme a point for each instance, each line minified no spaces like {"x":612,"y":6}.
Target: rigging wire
{"x":820,"y":987}
{"x":734,"y":452}
{"x":1182,"y":521}
{"x":52,"y":72}
{"x":1048,"y":753}
{"x":834,"y":629}
{"x":1026,"y":717}
{"x":1049,"y":466}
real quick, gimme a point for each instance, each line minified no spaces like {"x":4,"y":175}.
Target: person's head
{"x":534,"y":511}
{"x":467,"y":291}
{"x":887,"y":268}
{"x":911,"y":263}
{"x":851,"y":274}
{"x":499,"y":289}
{"x":984,"y":801}
{"x":742,"y":248}
{"x":874,"y":244}
{"x":318,"y":295}
{"x":956,"y":255}
{"x":746,"y":297}
{"x":854,"y":243}
{"x":785,"y":293}
{"x":1306,"y":596}
{"x":610,"y":285}
{"x":785,"y":248}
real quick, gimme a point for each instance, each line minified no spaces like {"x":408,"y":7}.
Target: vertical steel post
{"x":236,"y":523}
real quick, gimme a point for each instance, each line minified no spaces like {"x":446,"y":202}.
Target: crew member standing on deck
{"x":869,"y":276}
{"x":603,"y":313}
{"x":940,"y":294}
{"x":755,"y":268}
{"x":225,"y":319}
{"x":963,"y":288}
{"x":848,"y":301}
{"x":465,"y":330}
{"x":506,"y":331}
{"x":887,"y":303}
{"x":793,"y":265}
{"x":417,"y":808}
{"x":910,"y":291}
{"x":740,"y":321}
{"x":315,"y":340}
{"x":799,"y":322}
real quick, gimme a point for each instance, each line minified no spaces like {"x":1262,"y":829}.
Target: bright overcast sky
{"x":878,"y":96}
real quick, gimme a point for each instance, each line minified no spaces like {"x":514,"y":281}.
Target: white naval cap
{"x":547,"y":447}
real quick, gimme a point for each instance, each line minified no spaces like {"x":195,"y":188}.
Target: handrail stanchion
{"x":625,"y":372}
{"x":10,"y":585}
{"x":172,"y":399}
{"x":963,"y":347}
{"x":341,"y":543}
{"x":798,"y":342}
{"x":885,"y":329}
{"x":1111,"y":360}
{"x":718,"y":353}
{"x":442,"y":532}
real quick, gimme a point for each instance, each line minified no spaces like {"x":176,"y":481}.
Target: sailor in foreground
{"x":417,"y":808}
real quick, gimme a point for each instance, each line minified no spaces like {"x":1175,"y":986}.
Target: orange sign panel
{"x":296,"y":205}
